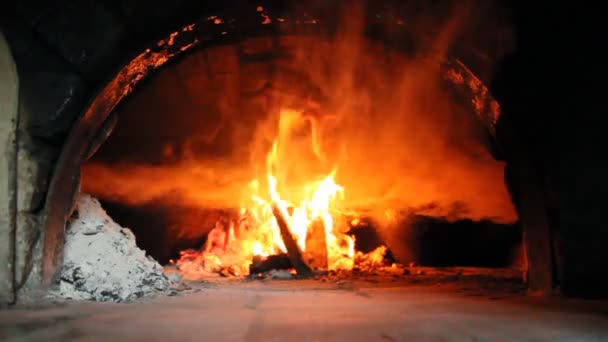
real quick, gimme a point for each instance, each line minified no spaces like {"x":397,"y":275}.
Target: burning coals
{"x":222,"y":255}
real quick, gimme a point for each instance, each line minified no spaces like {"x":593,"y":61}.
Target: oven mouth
{"x":155,"y":178}
{"x":297,"y":91}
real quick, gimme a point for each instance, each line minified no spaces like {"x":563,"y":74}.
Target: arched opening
{"x":407,"y":139}
{"x":406,"y":86}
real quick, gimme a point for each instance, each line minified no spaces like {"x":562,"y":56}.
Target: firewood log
{"x":272,"y":262}
{"x":293,"y":250}
{"x":316,"y":246}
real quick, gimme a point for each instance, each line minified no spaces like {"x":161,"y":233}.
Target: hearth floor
{"x":313,"y":310}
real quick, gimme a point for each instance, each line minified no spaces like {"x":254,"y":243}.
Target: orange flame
{"x":390,"y":127}
{"x":315,"y":205}
{"x":264,"y":238}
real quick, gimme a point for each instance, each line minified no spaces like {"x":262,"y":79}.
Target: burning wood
{"x":316,"y":246}
{"x":283,"y":219}
{"x":238,"y":256}
{"x":266,"y":264}
{"x":293,"y":250}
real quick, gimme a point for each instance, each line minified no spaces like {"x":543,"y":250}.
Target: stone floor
{"x":310,"y":310}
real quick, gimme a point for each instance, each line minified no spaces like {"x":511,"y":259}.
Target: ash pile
{"x":102,"y":262}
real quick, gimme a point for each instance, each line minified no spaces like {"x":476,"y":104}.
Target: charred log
{"x":273,"y":262}
{"x":293,"y":251}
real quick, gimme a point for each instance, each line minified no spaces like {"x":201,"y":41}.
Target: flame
{"x":316,"y":205}
{"x":404,"y":142}
{"x":258,"y":231}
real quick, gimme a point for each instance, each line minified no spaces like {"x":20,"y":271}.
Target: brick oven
{"x":274,"y":141}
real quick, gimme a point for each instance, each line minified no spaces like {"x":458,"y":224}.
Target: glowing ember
{"x":233,"y":243}
{"x":267,"y":19}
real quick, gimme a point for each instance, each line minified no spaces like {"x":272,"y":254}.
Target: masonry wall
{"x":9,"y":95}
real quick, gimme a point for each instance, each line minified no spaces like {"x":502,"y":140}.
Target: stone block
{"x":35,"y":10}
{"x":9,"y":95}
{"x":30,"y":53}
{"x":52,"y":93}
{"x":83,"y":32}
{"x":257,"y":45}
{"x":50,"y":103}
{"x":27,"y":246}
{"x":254,"y":77}
{"x":194,"y":76}
{"x":35,"y":162}
{"x":221,"y":60}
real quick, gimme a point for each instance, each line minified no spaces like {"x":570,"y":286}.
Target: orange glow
{"x":267,"y":19}
{"x":311,"y":201}
{"x":348,"y":124}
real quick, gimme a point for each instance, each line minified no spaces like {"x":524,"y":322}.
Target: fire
{"x":256,"y":233}
{"x":315,"y":206}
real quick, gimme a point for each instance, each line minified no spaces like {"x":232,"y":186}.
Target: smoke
{"x":385,"y":123}
{"x":191,"y":183}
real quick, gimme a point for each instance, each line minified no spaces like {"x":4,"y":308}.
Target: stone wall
{"x":9,"y":95}
{"x":552,"y":91}
{"x":64,"y":52}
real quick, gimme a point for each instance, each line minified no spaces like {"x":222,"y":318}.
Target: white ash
{"x":174,"y":278}
{"x":101,"y":260}
{"x":280,"y":274}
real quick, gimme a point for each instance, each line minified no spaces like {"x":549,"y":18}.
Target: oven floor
{"x":311,"y":310}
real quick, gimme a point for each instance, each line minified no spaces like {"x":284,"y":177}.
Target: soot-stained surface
{"x":308,"y":311}
{"x":436,"y":308}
